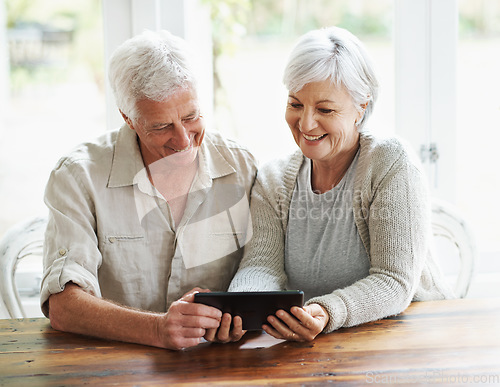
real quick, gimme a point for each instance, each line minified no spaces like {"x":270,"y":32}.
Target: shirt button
{"x":112,"y":239}
{"x":62,"y":252}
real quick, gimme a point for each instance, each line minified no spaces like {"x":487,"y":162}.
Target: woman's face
{"x":322,"y":118}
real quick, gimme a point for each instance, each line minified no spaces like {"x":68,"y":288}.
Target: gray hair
{"x":336,"y":54}
{"x":152,"y":65}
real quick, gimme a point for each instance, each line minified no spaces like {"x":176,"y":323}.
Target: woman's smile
{"x":314,"y":138}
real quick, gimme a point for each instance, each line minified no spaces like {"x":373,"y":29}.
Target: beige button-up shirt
{"x":112,"y":233}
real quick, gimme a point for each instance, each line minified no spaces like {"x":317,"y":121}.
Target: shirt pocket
{"x":135,"y":269}
{"x":121,"y":274}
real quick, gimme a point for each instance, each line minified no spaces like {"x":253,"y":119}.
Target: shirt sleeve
{"x":71,"y":251}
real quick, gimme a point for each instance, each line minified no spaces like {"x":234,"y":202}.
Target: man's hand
{"x":224,"y":334}
{"x":186,"y":322}
{"x":303,"y":325}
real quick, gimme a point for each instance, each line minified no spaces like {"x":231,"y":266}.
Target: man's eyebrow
{"x":160,"y":125}
{"x":191,"y":114}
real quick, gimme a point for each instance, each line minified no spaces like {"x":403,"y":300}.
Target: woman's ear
{"x":362,"y":112}
{"x":127,"y":120}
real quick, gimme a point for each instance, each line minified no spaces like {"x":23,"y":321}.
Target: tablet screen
{"x":252,"y":307}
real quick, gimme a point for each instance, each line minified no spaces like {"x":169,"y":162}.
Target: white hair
{"x":152,"y":65}
{"x":336,"y":54}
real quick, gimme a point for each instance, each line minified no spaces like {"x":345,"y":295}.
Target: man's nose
{"x":181,"y":136}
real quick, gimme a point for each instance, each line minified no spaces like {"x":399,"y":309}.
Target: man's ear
{"x":127,"y":120}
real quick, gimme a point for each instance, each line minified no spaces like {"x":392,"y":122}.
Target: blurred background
{"x":53,"y":95}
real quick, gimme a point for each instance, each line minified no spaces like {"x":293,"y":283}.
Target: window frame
{"x":426,"y":39}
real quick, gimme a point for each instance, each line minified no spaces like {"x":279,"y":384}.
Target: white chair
{"x":450,"y":226}
{"x":20,"y":241}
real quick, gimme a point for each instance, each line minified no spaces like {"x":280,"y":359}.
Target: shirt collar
{"x":212,"y":163}
{"x":127,"y":161}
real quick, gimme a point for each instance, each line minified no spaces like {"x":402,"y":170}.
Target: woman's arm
{"x":262,"y":266}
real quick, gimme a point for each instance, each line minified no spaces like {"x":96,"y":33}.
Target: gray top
{"x":323,"y":249}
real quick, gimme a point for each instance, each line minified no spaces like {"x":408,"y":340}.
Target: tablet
{"x":252,"y":307}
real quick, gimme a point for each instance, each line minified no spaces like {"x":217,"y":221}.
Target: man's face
{"x":170,"y":130}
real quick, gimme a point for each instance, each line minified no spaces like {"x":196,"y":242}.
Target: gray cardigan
{"x":392,"y":213}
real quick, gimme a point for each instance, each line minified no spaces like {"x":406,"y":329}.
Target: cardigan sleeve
{"x":263,"y":263}
{"x":262,"y":266}
{"x":396,"y":213}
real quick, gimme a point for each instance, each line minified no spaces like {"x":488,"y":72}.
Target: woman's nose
{"x":307,"y":121}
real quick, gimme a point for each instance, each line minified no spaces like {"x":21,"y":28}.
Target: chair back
{"x":449,"y":226}
{"x":22,"y":240}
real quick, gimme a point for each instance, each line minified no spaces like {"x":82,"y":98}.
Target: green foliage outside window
{"x":52,"y":41}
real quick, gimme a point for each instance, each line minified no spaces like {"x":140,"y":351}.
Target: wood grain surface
{"x":453,"y":342}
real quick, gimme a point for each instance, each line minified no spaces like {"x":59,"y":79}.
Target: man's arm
{"x":185,"y":323}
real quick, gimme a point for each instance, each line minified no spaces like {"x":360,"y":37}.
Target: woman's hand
{"x":224,"y":334}
{"x":303,"y":324}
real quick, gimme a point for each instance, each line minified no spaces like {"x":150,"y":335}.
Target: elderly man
{"x":143,"y":216}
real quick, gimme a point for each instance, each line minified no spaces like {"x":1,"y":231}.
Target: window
{"x":55,"y":96}
{"x":478,"y":124}
{"x":53,"y":87}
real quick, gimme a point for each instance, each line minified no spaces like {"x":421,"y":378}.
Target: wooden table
{"x":447,"y":342}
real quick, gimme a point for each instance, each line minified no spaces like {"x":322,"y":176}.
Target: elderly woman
{"x":347,"y":218}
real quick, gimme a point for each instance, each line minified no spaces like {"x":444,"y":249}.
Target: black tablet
{"x":252,"y":307}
